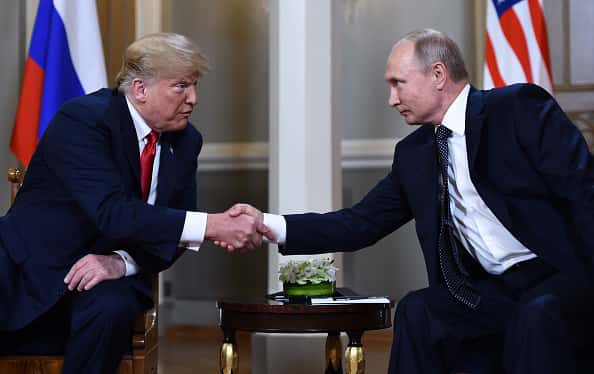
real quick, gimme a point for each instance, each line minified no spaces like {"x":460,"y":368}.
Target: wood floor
{"x":192,"y":349}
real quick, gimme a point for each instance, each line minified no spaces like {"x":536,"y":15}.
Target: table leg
{"x":333,"y":354}
{"x":229,"y":355}
{"x":354,"y":358}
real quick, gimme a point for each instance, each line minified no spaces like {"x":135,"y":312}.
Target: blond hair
{"x":160,"y":55}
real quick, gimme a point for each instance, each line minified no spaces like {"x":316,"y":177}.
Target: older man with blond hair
{"x":107,"y":201}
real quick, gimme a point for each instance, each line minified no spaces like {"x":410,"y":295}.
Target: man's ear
{"x":439,"y":74}
{"x":138,"y":90}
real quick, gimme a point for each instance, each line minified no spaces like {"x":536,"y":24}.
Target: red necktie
{"x":146,"y":163}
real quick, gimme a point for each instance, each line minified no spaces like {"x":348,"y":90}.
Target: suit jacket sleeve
{"x":149,"y":258}
{"x":381,"y":211}
{"x":559,"y":152}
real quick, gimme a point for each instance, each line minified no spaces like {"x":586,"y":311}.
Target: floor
{"x":193,"y":349}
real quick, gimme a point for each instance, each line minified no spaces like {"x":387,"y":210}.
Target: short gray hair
{"x":160,"y":55}
{"x":433,"y":46}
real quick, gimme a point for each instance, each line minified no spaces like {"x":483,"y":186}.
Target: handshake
{"x":241,"y":228}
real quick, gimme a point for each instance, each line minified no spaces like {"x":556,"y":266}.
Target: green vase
{"x":309,"y":289}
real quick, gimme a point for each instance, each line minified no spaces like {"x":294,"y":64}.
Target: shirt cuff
{"x":193,"y":233}
{"x":278,"y":225}
{"x":132,"y":267}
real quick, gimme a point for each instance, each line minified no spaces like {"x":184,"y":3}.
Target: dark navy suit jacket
{"x":529,"y":163}
{"x":81,"y":196}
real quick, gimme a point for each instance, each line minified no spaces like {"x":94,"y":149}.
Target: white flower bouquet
{"x":315,"y":277}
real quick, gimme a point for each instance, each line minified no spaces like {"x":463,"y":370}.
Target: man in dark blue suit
{"x":500,"y":184}
{"x":107,"y":201}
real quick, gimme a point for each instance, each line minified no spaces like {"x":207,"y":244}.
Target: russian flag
{"x":65,"y":60}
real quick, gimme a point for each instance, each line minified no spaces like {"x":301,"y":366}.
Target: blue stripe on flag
{"x":41,"y":30}
{"x":61,"y":82}
{"x":502,"y":5}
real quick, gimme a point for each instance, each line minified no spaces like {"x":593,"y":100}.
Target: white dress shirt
{"x":475,"y":225}
{"x":195,"y":223}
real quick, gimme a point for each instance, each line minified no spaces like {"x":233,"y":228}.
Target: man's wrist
{"x":121,"y":264}
{"x":211,"y":226}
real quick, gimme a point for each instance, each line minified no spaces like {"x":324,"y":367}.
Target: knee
{"x":112,"y":303}
{"x":538,"y":312}
{"x":116,"y":307}
{"x":411,"y":310}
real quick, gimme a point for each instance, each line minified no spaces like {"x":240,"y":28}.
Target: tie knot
{"x":442,"y":133}
{"x":152,"y":137}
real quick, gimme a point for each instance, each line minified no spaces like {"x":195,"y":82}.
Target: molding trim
{"x":356,"y":154}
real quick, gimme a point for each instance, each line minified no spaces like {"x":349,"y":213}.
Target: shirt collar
{"x":455,"y":117}
{"x":142,"y":129}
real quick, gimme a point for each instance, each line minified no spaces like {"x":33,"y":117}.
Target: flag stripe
{"x":510,"y":25}
{"x":540,"y":31}
{"x":41,"y":29}
{"x":61,"y":81}
{"x":24,"y":138}
{"x":534,"y":57}
{"x":491,"y":62}
{"x":84,"y":41}
{"x":539,"y":72}
{"x":511,"y":70}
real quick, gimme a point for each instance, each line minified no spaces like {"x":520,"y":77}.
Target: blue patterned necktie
{"x":454,"y":274}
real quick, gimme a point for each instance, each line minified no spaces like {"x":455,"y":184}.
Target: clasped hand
{"x":241,"y":228}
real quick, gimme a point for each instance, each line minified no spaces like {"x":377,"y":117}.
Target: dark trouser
{"x":532,"y":319}
{"x":92,"y":329}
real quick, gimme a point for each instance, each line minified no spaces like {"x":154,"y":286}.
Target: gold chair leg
{"x":229,"y":358}
{"x":333,"y":354}
{"x":354,"y":360}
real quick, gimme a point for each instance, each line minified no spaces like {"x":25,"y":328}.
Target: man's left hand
{"x":92,"y":269}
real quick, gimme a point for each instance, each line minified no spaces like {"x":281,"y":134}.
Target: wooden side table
{"x":270,"y":316}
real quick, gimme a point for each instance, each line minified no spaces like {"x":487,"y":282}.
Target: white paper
{"x":347,"y":300}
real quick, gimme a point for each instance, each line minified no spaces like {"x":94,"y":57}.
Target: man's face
{"x":412,"y":92}
{"x":169,"y":103}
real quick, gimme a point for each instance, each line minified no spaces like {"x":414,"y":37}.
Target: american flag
{"x":516,"y":47}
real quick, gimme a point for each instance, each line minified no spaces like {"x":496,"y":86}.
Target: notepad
{"x":349,"y":300}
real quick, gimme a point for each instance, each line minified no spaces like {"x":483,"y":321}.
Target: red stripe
{"x":540,"y":31}
{"x":26,"y":125}
{"x":514,"y":33}
{"x":491,"y":61}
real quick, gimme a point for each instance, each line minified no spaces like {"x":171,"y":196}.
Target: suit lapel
{"x":132,"y":151}
{"x":119,"y":116}
{"x":477,"y":161}
{"x":474,"y":125}
{"x":166,"y":167}
{"x":130,"y":138}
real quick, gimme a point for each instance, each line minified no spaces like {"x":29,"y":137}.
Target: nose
{"x":393,"y":98}
{"x":192,"y":95}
